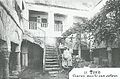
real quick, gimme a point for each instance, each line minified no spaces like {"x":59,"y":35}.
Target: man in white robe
{"x":67,"y":58}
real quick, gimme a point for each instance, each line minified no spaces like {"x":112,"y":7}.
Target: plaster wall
{"x":9,"y":29}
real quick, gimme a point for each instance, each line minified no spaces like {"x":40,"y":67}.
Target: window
{"x":33,"y":23}
{"x":44,"y":22}
{"x":58,"y":26}
{"x":58,"y":22}
{"x":38,"y":19}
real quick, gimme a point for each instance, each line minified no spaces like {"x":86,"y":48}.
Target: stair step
{"x":51,"y":63}
{"x":52,"y":69}
{"x":51,"y":54}
{"x":51,"y":60}
{"x":54,"y":75}
{"x":50,"y":50}
{"x":50,"y":47}
{"x":51,"y":57}
{"x":51,"y":66}
{"x":53,"y":72}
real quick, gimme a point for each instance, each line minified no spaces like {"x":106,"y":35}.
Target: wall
{"x":69,"y":13}
{"x":1,"y":62}
{"x":31,"y":56}
{"x":102,"y":55}
{"x":35,"y":57}
{"x":9,"y":29}
{"x":64,"y":11}
{"x":50,"y":33}
{"x":10,"y":6}
{"x":116,"y":57}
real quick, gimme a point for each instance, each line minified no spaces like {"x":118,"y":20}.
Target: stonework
{"x":9,"y":28}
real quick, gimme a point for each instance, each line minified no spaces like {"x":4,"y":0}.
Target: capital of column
{"x":18,"y":49}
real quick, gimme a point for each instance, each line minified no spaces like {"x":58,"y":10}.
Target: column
{"x":50,"y":23}
{"x":23,"y":60}
{"x":68,"y":22}
{"x":18,"y":64}
{"x":50,"y":31}
{"x":24,"y":54}
{"x":5,"y":53}
{"x":109,"y":50}
{"x":26,"y":59}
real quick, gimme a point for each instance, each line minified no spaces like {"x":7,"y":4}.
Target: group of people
{"x":67,"y":58}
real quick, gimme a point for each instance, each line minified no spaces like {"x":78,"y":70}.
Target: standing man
{"x":67,"y":58}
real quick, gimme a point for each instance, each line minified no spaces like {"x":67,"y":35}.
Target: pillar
{"x":79,"y":51}
{"x":5,"y":50}
{"x":6,"y":64}
{"x":23,"y":60}
{"x":91,"y":54}
{"x":109,"y":50}
{"x":68,"y":22}
{"x":50,"y":31}
{"x":18,"y":64}
{"x":50,"y":22}
{"x":24,"y":53}
{"x":26,"y":59}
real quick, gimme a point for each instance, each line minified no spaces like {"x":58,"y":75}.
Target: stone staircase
{"x":51,"y":61}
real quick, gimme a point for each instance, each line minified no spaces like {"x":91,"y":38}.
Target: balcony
{"x":44,"y":25}
{"x":33,"y":25}
{"x":58,"y":27}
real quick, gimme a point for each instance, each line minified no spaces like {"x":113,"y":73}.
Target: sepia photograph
{"x":59,"y":39}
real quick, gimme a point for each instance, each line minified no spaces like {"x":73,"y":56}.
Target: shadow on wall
{"x":35,"y":61}
{"x":35,"y":55}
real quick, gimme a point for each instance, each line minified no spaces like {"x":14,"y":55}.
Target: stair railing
{"x":44,"y":48}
